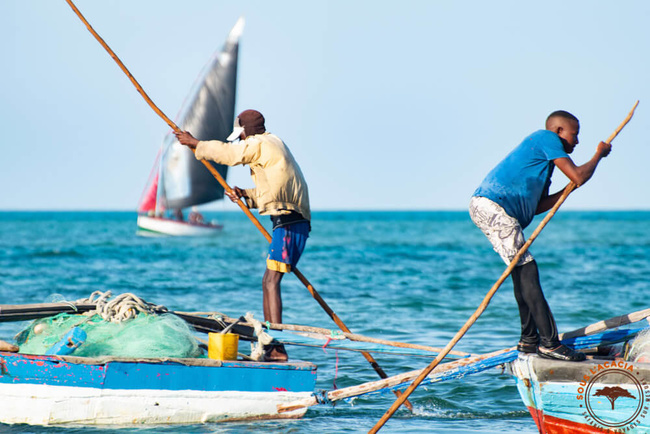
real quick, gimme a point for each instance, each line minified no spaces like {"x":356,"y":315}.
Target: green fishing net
{"x":145,"y":335}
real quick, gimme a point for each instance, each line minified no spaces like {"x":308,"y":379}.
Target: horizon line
{"x":233,"y":211}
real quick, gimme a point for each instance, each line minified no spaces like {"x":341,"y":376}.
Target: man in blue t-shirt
{"x":506,"y":202}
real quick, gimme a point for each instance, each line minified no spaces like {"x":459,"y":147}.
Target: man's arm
{"x":221,"y":152}
{"x":236,"y":193}
{"x":577,"y":174}
{"x":581,"y":174}
{"x":187,"y":139}
{"x":547,"y":202}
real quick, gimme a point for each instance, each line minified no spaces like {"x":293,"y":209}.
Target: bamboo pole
{"x":372,"y":386}
{"x":396,"y":380}
{"x":361,"y":338}
{"x":325,"y":333}
{"x":227,"y":188}
{"x":567,"y":190}
{"x":160,"y":113}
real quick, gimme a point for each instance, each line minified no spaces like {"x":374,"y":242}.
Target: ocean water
{"x":407,"y":276}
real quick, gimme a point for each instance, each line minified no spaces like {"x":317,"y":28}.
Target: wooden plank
{"x":24,"y":312}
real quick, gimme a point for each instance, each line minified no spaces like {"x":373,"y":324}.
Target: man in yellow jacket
{"x":280,"y":192}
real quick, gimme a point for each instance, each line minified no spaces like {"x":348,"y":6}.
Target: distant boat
{"x":179,"y":181}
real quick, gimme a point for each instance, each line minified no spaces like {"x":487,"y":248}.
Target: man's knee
{"x":272,"y":278}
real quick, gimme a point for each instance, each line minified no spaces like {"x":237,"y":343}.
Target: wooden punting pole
{"x":226,"y":187}
{"x":568,"y":189}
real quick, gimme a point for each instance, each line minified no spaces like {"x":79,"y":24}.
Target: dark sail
{"x":209,"y":116}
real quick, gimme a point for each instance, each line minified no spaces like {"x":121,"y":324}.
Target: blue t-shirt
{"x":518,"y":182}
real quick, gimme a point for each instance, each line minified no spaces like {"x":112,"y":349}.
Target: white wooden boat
{"x":53,"y":390}
{"x":178,"y":180}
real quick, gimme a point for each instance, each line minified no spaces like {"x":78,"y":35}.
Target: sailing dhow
{"x":178,"y":181}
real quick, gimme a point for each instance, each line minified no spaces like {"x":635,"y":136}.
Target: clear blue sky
{"x":385,"y":105}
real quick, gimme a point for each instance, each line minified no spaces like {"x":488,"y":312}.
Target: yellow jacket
{"x":280,"y":185}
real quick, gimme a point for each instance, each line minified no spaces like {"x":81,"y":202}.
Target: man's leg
{"x":529,"y":339}
{"x":272,"y":303}
{"x":534,"y":311}
{"x":527,"y":277}
{"x":284,"y":251}
{"x":272,"y":296}
{"x":506,"y":236}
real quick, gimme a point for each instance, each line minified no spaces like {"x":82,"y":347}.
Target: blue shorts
{"x":286,"y":246}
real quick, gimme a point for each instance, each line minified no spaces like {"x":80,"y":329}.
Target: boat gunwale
{"x":186,"y":361}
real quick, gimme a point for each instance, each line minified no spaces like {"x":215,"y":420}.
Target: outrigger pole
{"x":226,"y":187}
{"x":567,"y":190}
{"x":451,"y":370}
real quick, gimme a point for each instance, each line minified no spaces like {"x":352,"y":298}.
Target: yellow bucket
{"x":223,"y":346}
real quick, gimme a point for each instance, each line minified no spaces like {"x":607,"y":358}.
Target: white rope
{"x":123,"y":307}
{"x":263,"y":338}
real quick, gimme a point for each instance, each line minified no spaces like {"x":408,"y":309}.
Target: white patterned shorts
{"x":503,"y":231}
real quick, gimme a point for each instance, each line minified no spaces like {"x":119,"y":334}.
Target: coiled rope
{"x":124,"y":307}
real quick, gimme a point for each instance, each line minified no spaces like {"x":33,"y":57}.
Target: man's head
{"x":566,"y":126}
{"x":248,"y":123}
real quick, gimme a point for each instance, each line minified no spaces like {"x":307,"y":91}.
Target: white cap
{"x":236,"y":131}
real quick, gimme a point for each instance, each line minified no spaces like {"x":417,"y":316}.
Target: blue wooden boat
{"x":66,"y":385}
{"x":594,"y":396}
{"x":50,"y":390}
{"x":605,"y":393}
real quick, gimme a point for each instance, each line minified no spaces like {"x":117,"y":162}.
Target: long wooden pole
{"x":372,"y":386}
{"x":568,"y":189}
{"x":320,"y":331}
{"x":360,"y":338}
{"x":360,"y":389}
{"x":226,"y":187}
{"x":160,"y":113}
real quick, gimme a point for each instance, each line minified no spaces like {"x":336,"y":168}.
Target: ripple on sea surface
{"x":413,"y":277}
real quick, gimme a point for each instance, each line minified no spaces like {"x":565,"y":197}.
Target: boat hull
{"x":569,"y":397}
{"x":156,"y":226}
{"x":52,"y":390}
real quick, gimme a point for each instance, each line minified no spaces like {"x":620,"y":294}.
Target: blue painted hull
{"x":595,"y":396}
{"x":126,"y":391}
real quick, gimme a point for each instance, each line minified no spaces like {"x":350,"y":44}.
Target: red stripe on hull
{"x":554,"y":425}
